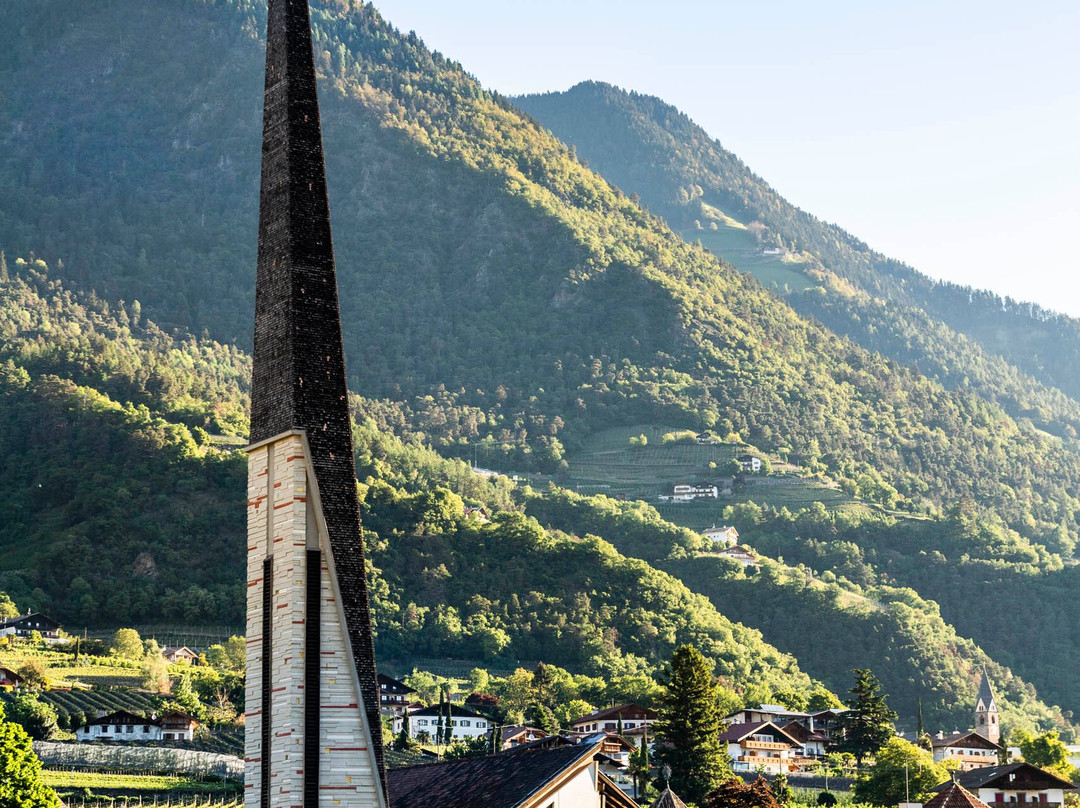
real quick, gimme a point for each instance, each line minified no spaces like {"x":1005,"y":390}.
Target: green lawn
{"x":737,"y":245}
{"x":127,"y":782}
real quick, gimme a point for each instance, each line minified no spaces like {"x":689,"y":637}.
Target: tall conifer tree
{"x":689,"y":726}
{"x":868,"y":722}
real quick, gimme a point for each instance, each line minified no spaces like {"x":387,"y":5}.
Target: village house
{"x":725,"y":534}
{"x":550,"y":773}
{"x":821,"y":722}
{"x":393,"y":695}
{"x":464,"y":723}
{"x":687,"y":492}
{"x":633,"y":717}
{"x":8,"y":678}
{"x":814,"y":743}
{"x":760,"y":745}
{"x":179,"y":654}
{"x":741,"y":553}
{"x":511,"y":737}
{"x":776,"y":713}
{"x":23,"y":625}
{"x":967,"y":750}
{"x":749,"y":462}
{"x":705,"y":439}
{"x":127,"y":727}
{"x":1012,"y":784}
{"x":477,"y":512}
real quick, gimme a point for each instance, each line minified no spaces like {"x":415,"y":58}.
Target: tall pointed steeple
{"x":986,"y":711}
{"x":313,"y":725}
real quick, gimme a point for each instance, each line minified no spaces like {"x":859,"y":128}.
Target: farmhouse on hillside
{"x":464,"y":723}
{"x":749,"y":462}
{"x":127,"y":727}
{"x":179,"y":653}
{"x":393,"y":695}
{"x":8,"y":678}
{"x":31,"y":621}
{"x":686,"y":492}
{"x":725,"y":534}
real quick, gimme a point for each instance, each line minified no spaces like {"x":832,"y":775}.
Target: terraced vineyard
{"x":608,"y":464}
{"x":62,"y":670}
{"x":89,"y":701}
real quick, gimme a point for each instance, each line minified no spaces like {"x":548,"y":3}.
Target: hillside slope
{"x":493,"y":288}
{"x":455,"y":217}
{"x":122,"y":508}
{"x":648,"y":147}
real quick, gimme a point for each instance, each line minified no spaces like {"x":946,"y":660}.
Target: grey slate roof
{"x":668,"y":799}
{"x":986,"y":693}
{"x":504,"y":780}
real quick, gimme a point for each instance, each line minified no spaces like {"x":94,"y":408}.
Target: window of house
{"x":146,"y":729}
{"x":129,"y":729}
{"x":465,"y":722}
{"x":105,"y":728}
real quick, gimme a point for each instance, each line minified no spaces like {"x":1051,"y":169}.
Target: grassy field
{"x":735,"y":244}
{"x":63,"y":780}
{"x":62,"y":671}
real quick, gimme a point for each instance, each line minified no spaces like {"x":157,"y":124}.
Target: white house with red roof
{"x":760,"y":745}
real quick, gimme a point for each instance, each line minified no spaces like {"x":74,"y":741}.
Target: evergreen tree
{"x":639,"y":766}
{"x":403,"y":743}
{"x":541,"y":717}
{"x":868,"y":722}
{"x":543,"y":679}
{"x":689,"y":726}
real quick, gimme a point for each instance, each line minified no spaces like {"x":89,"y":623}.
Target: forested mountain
{"x":493,"y":289}
{"x":488,"y":279}
{"x":961,"y":335}
{"x":113,"y":477}
{"x":112,"y":482}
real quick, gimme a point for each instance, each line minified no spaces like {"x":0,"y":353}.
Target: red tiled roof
{"x":955,"y":796}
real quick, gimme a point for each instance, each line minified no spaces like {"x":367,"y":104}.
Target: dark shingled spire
{"x":298,"y":375}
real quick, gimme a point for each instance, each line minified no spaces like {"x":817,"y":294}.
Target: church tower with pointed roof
{"x":313,"y":732}
{"x":986,"y":711}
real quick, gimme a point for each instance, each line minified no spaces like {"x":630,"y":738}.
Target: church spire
{"x":986,"y":711}
{"x":313,"y":700}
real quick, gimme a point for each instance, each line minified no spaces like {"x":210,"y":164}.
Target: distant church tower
{"x":986,"y":712}
{"x":313,"y":737}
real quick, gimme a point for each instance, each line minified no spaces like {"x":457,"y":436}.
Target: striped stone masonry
{"x":286,"y":535}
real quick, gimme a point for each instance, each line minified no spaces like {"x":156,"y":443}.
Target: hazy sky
{"x":945,"y":134}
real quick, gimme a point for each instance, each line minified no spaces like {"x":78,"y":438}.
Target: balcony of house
{"x":1033,"y":803}
{"x":772,"y":745}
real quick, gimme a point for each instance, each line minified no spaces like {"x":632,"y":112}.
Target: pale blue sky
{"x":945,"y":134}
